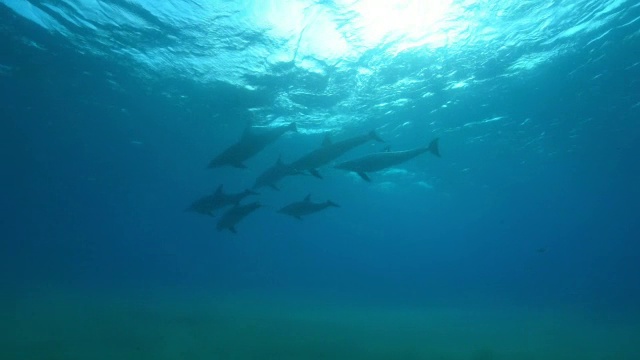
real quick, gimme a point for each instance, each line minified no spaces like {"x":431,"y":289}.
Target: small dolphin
{"x":275,"y":173}
{"x":330,"y":151}
{"x":203,"y":206}
{"x":232,"y":217}
{"x":383,"y":160}
{"x":305,"y":207}
{"x":207,"y":205}
{"x":253,"y":140}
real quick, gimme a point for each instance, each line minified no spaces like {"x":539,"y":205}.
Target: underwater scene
{"x":320,"y":179}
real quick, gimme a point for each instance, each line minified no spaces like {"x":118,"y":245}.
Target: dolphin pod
{"x":255,"y":139}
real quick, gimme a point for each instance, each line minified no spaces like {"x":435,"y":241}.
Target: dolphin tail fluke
{"x":374,"y":135}
{"x":331,"y":203}
{"x":251,"y":192}
{"x":433,"y":147}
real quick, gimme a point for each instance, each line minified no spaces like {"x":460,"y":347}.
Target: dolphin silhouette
{"x":275,"y":173}
{"x":305,"y":207}
{"x":330,"y":151}
{"x":207,"y":205}
{"x":253,"y":140}
{"x":233,"y":216}
{"x":383,"y":160}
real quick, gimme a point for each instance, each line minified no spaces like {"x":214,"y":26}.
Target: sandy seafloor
{"x":68,"y":325}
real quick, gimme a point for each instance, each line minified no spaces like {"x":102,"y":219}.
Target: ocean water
{"x":521,"y":241}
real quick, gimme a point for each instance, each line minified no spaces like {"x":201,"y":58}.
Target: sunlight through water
{"x":345,"y":30}
{"x":339,"y":56}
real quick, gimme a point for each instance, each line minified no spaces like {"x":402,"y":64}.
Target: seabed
{"x":259,"y":327}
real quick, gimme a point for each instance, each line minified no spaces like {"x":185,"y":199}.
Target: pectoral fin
{"x":364,"y":177}
{"x":315,"y":173}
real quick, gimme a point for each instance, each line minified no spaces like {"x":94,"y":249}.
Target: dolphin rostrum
{"x":233,"y":216}
{"x":253,"y":140}
{"x":275,"y":173}
{"x":330,"y":151}
{"x":305,"y":207}
{"x":383,"y":160}
{"x":207,"y":205}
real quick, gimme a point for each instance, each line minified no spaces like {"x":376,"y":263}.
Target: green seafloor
{"x":73,"y":325}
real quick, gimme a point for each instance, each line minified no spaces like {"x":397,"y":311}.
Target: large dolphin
{"x":232,"y":217}
{"x":275,"y":173}
{"x":383,"y":160}
{"x":252,"y":141}
{"x":305,"y":207}
{"x":330,"y":151}
{"x":207,"y":205}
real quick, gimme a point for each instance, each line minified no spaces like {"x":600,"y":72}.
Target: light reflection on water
{"x":345,"y":55}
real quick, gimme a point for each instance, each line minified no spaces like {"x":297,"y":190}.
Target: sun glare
{"x":410,"y":21}
{"x":348,"y":28}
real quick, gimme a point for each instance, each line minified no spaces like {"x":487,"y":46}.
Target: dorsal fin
{"x":219,"y":190}
{"x":327,"y":140}
{"x":279,"y":161}
{"x":307,"y":198}
{"x":387,"y":148}
{"x":433,"y":147}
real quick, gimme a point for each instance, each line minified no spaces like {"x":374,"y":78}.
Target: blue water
{"x":520,"y":242}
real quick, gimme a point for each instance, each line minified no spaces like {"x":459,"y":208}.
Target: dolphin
{"x":207,"y":205}
{"x":275,"y":173}
{"x":232,"y":217}
{"x":253,"y":140}
{"x":305,"y":207}
{"x":383,"y":160}
{"x":330,"y":151}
